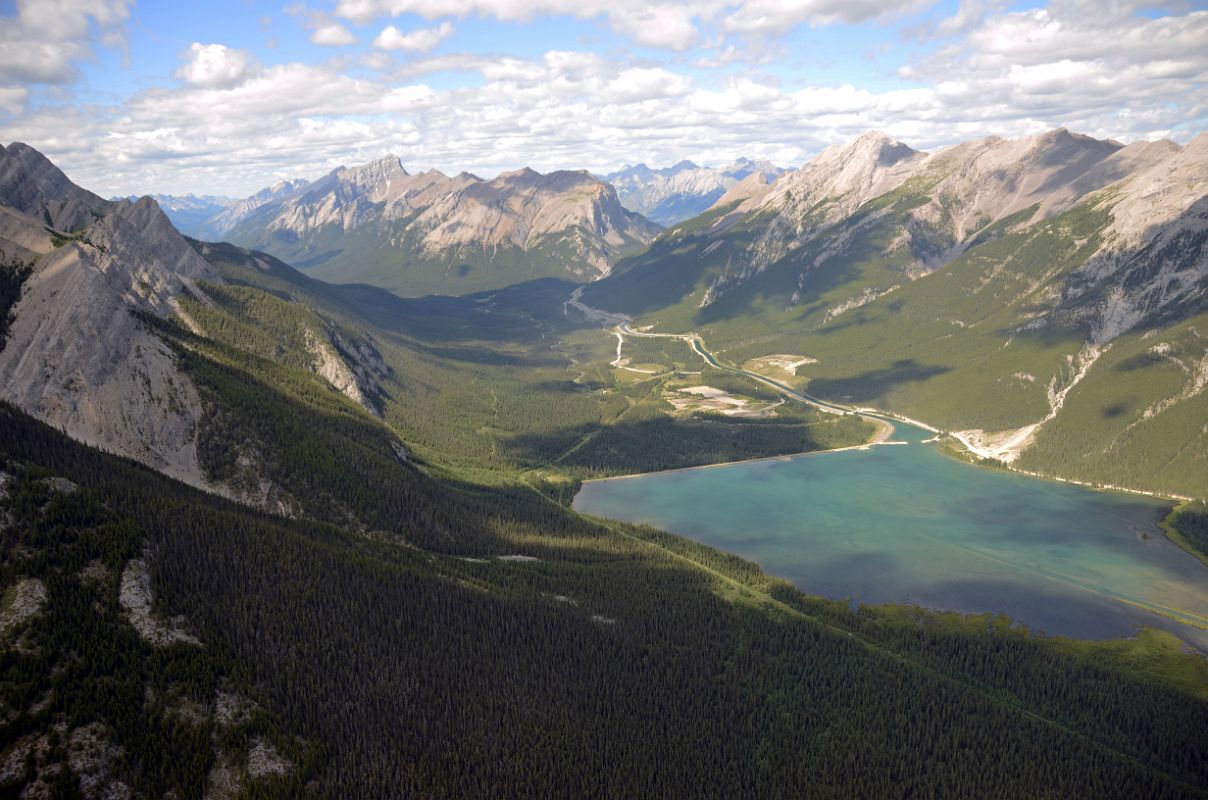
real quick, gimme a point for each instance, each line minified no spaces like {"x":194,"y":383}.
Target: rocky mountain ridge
{"x":959,"y":194}
{"x":82,"y":349}
{"x":77,"y":355}
{"x":216,"y":226}
{"x":416,"y":233}
{"x":1043,"y":298}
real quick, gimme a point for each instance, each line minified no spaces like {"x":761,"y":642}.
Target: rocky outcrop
{"x":22,"y":602}
{"x":136,"y":600}
{"x":345,"y":372}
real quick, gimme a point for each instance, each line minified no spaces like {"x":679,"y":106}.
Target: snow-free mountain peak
{"x":30,"y":183}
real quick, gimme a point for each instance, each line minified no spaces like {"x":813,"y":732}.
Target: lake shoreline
{"x":881,"y":438}
{"x":758,"y":513}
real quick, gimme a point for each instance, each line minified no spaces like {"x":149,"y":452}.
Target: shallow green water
{"x":904,"y":523}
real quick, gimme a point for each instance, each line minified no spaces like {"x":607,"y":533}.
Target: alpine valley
{"x":288,"y":507}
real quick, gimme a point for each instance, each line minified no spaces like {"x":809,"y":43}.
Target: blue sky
{"x":230,"y":95}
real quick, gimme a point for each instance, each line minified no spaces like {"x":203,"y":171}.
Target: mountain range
{"x":430,"y":233}
{"x":674,"y":194}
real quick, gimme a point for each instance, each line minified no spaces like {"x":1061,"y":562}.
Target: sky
{"x":228,"y":96}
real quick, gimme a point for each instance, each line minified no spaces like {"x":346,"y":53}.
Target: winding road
{"x":622,"y":329}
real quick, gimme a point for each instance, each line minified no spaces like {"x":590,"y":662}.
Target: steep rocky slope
{"x":94,"y":282}
{"x":975,"y":288}
{"x":77,"y":355}
{"x":674,"y":194}
{"x":432,"y":233}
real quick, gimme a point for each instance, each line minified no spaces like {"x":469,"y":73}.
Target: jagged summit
{"x":366,"y":177}
{"x":30,"y":183}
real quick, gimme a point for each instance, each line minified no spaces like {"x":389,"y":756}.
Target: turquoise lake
{"x":902,"y":523}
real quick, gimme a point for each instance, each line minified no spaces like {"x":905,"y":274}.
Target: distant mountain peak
{"x":672,"y":194}
{"x":524,"y":173}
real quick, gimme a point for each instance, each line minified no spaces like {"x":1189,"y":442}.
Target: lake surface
{"x":905,"y":524}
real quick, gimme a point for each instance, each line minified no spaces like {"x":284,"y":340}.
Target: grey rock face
{"x":78,"y":356}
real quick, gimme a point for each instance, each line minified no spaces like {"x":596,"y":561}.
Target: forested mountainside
{"x":158,"y":639}
{"x":673,"y":194}
{"x":1043,"y":298}
{"x":393,"y":598}
{"x":434,"y":234}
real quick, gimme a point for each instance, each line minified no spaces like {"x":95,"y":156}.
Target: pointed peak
{"x":1063,"y":136}
{"x":873,"y":136}
{"x":29,"y":181}
{"x":872,"y":145}
{"x":1055,"y":135}
{"x":524,"y":173}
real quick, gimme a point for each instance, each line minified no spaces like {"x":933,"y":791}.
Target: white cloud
{"x":12,"y":99}
{"x":637,"y":84}
{"x":777,"y":17}
{"x":1109,"y":74}
{"x":68,"y":20}
{"x":968,"y":14}
{"x":44,"y":40}
{"x":672,"y":25}
{"x":332,"y":34}
{"x":212,"y":66}
{"x":419,"y":41}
